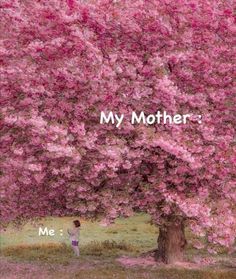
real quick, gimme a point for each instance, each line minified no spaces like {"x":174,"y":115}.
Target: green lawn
{"x":136,"y":231}
{"x":51,"y":257}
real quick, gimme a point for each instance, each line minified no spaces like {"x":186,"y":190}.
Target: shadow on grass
{"x":98,"y":261}
{"x":160,"y":273}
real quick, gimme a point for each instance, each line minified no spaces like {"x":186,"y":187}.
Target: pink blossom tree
{"x":63,"y":62}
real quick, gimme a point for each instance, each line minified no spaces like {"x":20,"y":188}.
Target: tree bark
{"x":171,"y":243}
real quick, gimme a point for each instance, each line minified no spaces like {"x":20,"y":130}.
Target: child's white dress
{"x":74,"y":238}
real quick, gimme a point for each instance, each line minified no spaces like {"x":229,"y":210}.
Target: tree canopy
{"x":63,"y":62}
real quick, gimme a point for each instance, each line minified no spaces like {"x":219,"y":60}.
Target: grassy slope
{"x":51,"y":257}
{"x":136,"y":230}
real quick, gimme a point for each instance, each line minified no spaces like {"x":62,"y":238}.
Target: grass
{"x":62,"y":253}
{"x":90,"y":267}
{"x":118,"y":273}
{"x":51,"y":257}
{"x":136,"y":231}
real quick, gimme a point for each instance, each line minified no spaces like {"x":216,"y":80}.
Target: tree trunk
{"x":171,"y":243}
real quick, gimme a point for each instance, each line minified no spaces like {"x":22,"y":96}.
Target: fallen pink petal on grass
{"x":147,"y":261}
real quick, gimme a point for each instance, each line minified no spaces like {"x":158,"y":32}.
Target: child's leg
{"x":75,"y":247}
{"x":76,"y":250}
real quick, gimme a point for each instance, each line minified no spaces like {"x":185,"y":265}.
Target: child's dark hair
{"x":77,"y":223}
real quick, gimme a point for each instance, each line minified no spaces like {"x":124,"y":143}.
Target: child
{"x":74,"y":236}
